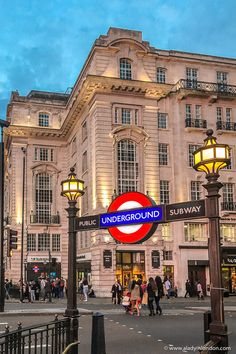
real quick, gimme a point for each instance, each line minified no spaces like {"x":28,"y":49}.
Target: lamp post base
{"x":71,"y":312}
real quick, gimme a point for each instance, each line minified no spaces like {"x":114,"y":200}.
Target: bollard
{"x":98,"y":334}
{"x":207,"y":321}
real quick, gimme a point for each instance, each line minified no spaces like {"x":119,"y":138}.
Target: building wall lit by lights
{"x":131,"y":122}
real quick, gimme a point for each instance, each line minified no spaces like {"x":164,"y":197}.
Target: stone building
{"x":131,"y":122}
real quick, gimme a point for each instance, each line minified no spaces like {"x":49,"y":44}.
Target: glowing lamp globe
{"x":72,"y":188}
{"x":211,"y":157}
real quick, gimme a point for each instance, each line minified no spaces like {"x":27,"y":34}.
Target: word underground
{"x":127,"y":217}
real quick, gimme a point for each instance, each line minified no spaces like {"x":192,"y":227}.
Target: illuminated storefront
{"x":229,"y":270}
{"x":130,"y":264}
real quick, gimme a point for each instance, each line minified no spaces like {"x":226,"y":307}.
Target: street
{"x":179,"y":329}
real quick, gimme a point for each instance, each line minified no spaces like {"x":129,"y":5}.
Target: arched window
{"x":125,"y":69}
{"x":43,"y":197}
{"x":127,"y":166}
{"x":43,"y":119}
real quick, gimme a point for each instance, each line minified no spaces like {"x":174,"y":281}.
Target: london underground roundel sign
{"x":135,"y":233}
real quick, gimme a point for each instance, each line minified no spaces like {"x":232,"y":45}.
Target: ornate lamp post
{"x":210,"y":158}
{"x":72,"y":188}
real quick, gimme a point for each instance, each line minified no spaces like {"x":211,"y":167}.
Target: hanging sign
{"x":107,"y":259}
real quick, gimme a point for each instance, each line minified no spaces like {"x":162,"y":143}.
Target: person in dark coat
{"x":48,"y":289}
{"x":116,"y":292}
{"x":188,"y":288}
{"x":158,"y":295}
{"x":151,"y":290}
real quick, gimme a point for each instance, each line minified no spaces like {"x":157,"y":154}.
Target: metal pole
{"x":22,"y":229}
{"x":72,"y":310}
{"x":2,"y":274}
{"x":217,"y":327}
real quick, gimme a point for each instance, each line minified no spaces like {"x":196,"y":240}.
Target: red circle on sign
{"x":144,"y":231}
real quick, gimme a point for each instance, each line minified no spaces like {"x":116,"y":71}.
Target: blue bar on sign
{"x":129,"y":217}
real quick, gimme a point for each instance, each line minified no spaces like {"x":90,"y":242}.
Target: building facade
{"x":131,"y":122}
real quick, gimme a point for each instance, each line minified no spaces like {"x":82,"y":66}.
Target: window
{"x":127,"y":166}
{"x":56,"y":242}
{"x":84,"y":131}
{"x":191,"y":149}
{"x":116,"y":115}
{"x":195,"y":232}
{"x":84,"y":162}
{"x":167,"y":255}
{"x":198,"y":112}
{"x":43,"y":197}
{"x":43,"y":242}
{"x":43,"y":154}
{"x":228,"y":113}
{"x":31,"y":242}
{"x":73,"y":146}
{"x":43,"y":120}
{"x":221,"y":81}
{"x":188,"y":114}
{"x":125,"y":69}
{"x":85,"y":201}
{"x":218,"y":114}
{"x":195,"y":190}
{"x":162,"y":120}
{"x":228,"y":193}
{"x":136,"y":117}
{"x":163,"y":154}
{"x":125,"y":116}
{"x":161,"y":75}
{"x":228,"y":232}
{"x":165,"y":232}
{"x":164,"y":192}
{"x":191,"y":76}
{"x":229,"y":167}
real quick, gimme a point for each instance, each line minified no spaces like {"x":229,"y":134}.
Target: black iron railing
{"x":195,"y":123}
{"x":229,"y":206}
{"x":225,"y":126}
{"x":45,"y":219}
{"x":49,"y":338}
{"x":205,"y":86}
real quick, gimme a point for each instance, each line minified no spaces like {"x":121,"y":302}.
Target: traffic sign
{"x":135,"y":233}
{"x":186,"y":210}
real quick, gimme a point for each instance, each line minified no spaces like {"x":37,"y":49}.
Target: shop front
{"x":40,"y":267}
{"x":130,"y":265}
{"x":229,"y":270}
{"x":197,"y":272}
{"x":84,"y":267}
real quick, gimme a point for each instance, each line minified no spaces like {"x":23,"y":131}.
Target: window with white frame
{"x":163,"y":154}
{"x":198,"y":111}
{"x":192,"y":77}
{"x":195,"y":190}
{"x":228,"y":232}
{"x":43,"y":120}
{"x":188,"y":111}
{"x":56,"y":242}
{"x":43,"y":154}
{"x":125,"y":116}
{"x":161,"y":75}
{"x":165,"y":232}
{"x":219,"y":114}
{"x":195,"y":232}
{"x":84,"y":162}
{"x":164,"y":192}
{"x":228,"y":193}
{"x":191,"y":149}
{"x":228,"y":115}
{"x":43,"y":242}
{"x":136,"y":116}
{"x":127,"y":166}
{"x":167,"y":255}
{"x":31,"y":242}
{"x":43,"y":197}
{"x":84,"y":131}
{"x":125,"y":69}
{"x":162,"y":120}
{"x":221,"y":77}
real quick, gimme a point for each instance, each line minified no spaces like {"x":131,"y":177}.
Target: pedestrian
{"x":167,"y":284}
{"x":158,"y":294}
{"x":144,"y":292}
{"x":7,"y":289}
{"x":119,"y":292}
{"x":42,"y":287}
{"x":187,"y":288}
{"x":48,"y":289}
{"x":37,"y":290}
{"x":151,"y":290}
{"x":85,"y":289}
{"x":61,"y":288}
{"x":135,"y":298}
{"x":32,"y":288}
{"x":199,"y":291}
{"x":81,"y":293}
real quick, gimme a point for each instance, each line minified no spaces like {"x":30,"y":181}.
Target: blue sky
{"x":44,"y":43}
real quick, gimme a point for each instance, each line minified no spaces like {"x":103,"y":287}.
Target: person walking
{"x":32,"y":289}
{"x":48,"y":290}
{"x":158,"y":294}
{"x":85,"y":289}
{"x":167,"y":284}
{"x":188,"y":288}
{"x":199,"y":291}
{"x":135,"y":298}
{"x":151,"y":290}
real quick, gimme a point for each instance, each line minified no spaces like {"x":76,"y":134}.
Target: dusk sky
{"x":44,"y":43}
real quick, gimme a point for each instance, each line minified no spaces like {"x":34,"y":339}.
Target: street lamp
{"x":72,"y":188}
{"x":210,"y":158}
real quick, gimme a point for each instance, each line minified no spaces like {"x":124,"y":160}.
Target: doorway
{"x":195,"y":274}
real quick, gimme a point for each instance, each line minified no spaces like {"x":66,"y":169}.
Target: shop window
{"x":194,"y":232}
{"x":228,"y":232}
{"x":126,"y":257}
